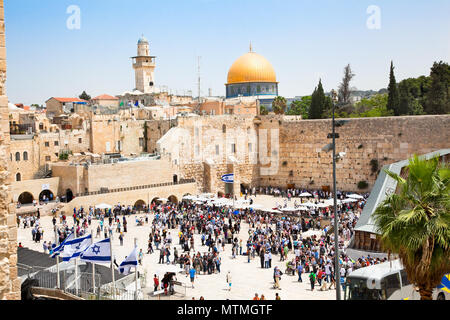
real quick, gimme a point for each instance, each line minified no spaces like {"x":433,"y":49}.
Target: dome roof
{"x":142,"y":40}
{"x":251,"y":67}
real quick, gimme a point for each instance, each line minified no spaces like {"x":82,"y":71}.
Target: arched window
{"x":224,"y":128}
{"x":17,"y":156}
{"x":25,"y":156}
{"x":41,"y":126}
{"x":18,"y":177}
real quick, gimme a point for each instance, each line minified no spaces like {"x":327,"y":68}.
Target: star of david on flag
{"x":99,"y":252}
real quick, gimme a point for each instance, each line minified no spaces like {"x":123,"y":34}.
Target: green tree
{"x":300,"y":107}
{"x":317,"y":107}
{"x":279,"y":105}
{"x":415,"y":223}
{"x":263,"y":110}
{"x":438,"y":100}
{"x":406,"y":99}
{"x":85,"y":96}
{"x":393,"y":99}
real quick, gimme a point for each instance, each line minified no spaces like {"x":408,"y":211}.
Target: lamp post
{"x":336,"y":228}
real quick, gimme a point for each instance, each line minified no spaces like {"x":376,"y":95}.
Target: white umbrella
{"x":255,"y":206}
{"x":163,"y":199}
{"x":303,"y":208}
{"x":309,"y":204}
{"x":323,"y":205}
{"x":355,"y":196}
{"x":188,"y":197}
{"x":349,"y":200}
{"x":305,"y":194}
{"x":103,"y":206}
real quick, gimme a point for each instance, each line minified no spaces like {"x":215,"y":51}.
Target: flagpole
{"x":136,"y":273}
{"x":93,"y":265}
{"x":58,"y":281}
{"x":112,"y":268}
{"x":76,"y":267}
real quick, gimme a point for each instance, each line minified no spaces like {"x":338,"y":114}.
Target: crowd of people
{"x":276,"y":240}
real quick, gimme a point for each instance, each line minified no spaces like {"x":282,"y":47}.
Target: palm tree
{"x":415,"y":223}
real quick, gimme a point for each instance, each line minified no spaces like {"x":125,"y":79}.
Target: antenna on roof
{"x":251,"y":49}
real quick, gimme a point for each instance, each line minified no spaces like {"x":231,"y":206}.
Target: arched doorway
{"x":175,"y":179}
{"x":139,"y":205}
{"x":220,"y":194}
{"x":48,"y":194}
{"x":26,"y":198}
{"x":69,"y":195}
{"x":155,"y":200}
{"x":173,"y":199}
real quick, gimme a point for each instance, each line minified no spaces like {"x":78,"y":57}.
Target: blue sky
{"x":303,"y":39}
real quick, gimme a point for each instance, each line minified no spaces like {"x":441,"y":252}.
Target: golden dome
{"x":251,"y":67}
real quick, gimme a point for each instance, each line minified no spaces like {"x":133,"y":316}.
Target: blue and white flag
{"x":59,"y":248}
{"x":99,"y":252}
{"x":130,"y":261}
{"x":74,"y":247}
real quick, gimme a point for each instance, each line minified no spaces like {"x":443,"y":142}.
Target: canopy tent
{"x":323,"y":205}
{"x":306,"y":194}
{"x":355,"y":196}
{"x":103,"y":206}
{"x":163,"y":199}
{"x":188,"y":197}
{"x":349,"y":200}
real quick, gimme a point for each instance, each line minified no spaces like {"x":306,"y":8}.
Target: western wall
{"x":291,"y":149}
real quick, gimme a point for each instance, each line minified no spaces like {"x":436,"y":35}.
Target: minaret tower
{"x":144,"y":67}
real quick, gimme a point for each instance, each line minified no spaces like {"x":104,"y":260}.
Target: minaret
{"x":144,"y":67}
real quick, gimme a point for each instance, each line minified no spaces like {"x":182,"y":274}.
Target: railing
{"x":149,"y":186}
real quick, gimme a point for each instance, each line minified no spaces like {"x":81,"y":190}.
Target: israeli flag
{"x":99,"y":252}
{"x":60,"y":248}
{"x":130,"y":261}
{"x":74,"y":247}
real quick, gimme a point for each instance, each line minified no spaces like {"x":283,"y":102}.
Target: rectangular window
{"x":47,"y":144}
{"x":141,"y":142}
{"x":249,"y":147}
{"x":56,"y":143}
{"x":80,"y":140}
{"x":217,"y":149}
{"x":48,"y":158}
{"x":233,"y":148}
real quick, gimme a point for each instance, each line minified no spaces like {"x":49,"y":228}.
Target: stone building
{"x":9,"y":283}
{"x":144,"y":67}
{"x":58,"y":106}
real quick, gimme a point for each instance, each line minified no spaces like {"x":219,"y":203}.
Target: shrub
{"x":362,"y":185}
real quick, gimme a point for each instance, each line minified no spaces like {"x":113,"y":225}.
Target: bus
{"x":388,"y":281}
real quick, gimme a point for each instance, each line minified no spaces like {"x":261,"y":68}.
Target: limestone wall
{"x":386,"y":140}
{"x":9,"y":283}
